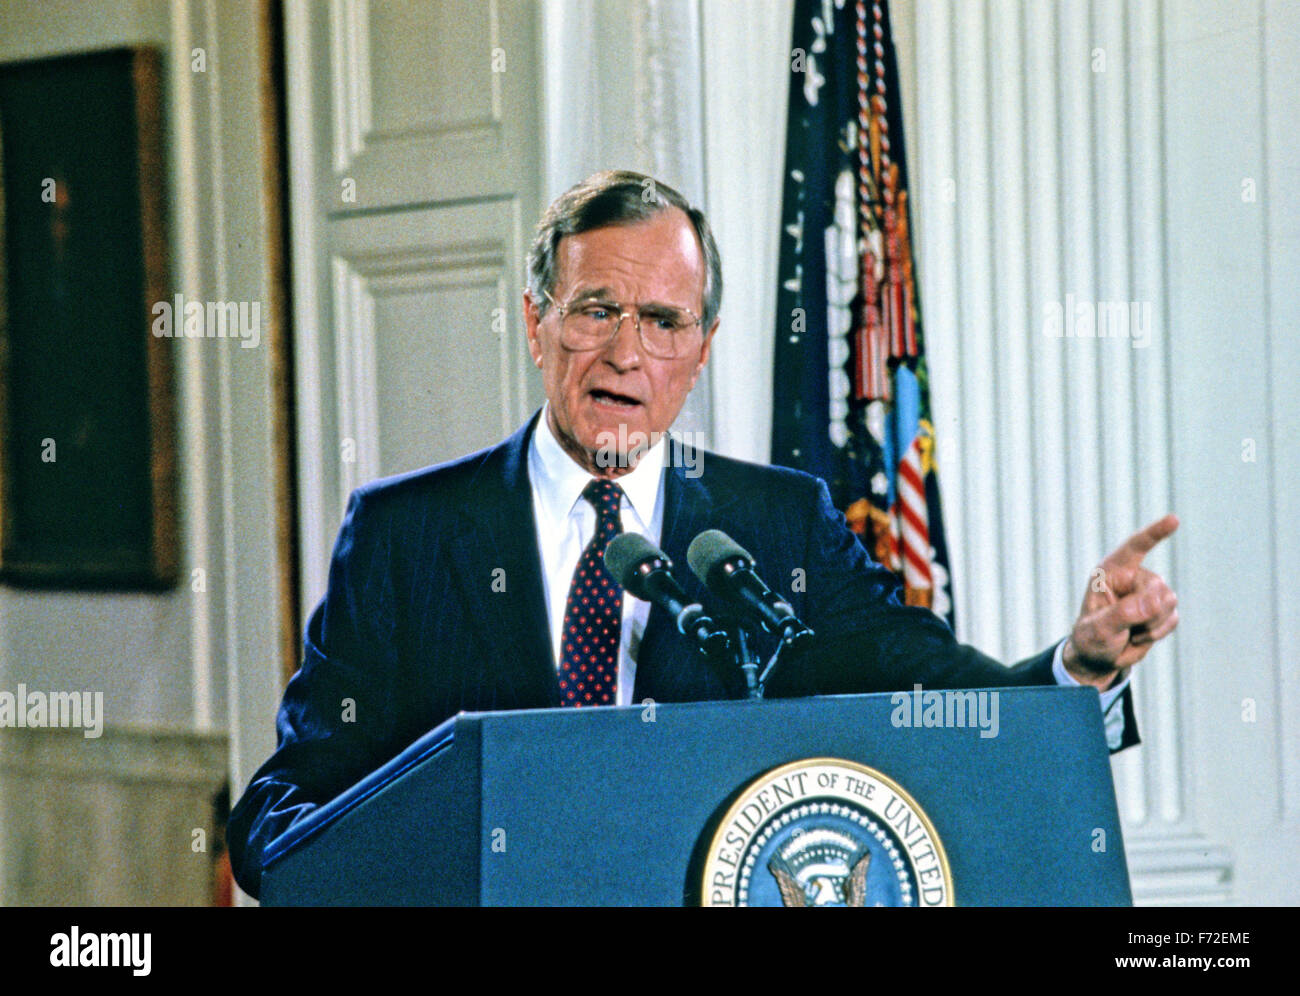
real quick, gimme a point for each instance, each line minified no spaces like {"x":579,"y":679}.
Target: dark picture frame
{"x":87,"y":414}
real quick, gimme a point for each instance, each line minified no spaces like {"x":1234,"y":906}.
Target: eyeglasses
{"x":666,"y":332}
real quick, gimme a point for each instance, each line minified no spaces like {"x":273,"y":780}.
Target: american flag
{"x":851,"y":392}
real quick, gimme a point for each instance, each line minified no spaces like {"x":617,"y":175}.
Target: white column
{"x":1037,"y":162}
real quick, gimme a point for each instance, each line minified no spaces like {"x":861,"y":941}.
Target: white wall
{"x":170,"y":661}
{"x":1231,"y":185}
{"x":133,"y":647}
{"x":746,"y":76}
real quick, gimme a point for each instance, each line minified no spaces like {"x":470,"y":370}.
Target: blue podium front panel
{"x":1026,"y":816}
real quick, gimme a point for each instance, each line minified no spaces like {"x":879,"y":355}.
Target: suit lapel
{"x":668,"y":667}
{"x":502,"y":549}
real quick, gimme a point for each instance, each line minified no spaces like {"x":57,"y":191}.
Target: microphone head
{"x":624,"y":553}
{"x":710,"y":549}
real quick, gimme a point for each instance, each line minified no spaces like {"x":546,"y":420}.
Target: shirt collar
{"x":558,"y":479}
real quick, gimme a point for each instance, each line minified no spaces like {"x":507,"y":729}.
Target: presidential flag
{"x":851,"y":396}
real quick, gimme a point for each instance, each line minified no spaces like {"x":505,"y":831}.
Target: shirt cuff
{"x":1111,"y":711}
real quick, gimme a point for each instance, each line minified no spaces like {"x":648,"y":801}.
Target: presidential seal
{"x":825,"y":832}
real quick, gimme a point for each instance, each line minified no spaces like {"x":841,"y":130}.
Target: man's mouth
{"x":613,"y":398}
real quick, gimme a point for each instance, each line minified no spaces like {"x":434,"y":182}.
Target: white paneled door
{"x":414,"y":171}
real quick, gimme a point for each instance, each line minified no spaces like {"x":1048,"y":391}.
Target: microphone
{"x":727,"y":569}
{"x":645,"y":571}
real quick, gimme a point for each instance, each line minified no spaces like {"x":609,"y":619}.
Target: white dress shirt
{"x":566,"y":522}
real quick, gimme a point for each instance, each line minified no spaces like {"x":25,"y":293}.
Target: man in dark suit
{"x":478,"y":584}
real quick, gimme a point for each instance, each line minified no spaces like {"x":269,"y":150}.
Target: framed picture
{"x":87,"y":421}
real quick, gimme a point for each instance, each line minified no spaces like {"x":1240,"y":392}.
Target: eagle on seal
{"x":823,"y":890}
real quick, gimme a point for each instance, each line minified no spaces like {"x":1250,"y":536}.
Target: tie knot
{"x":605,"y":496}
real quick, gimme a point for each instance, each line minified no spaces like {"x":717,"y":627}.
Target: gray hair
{"x":616,"y":197}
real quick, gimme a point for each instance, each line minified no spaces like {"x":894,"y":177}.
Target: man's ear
{"x":704,"y":351}
{"x":531,"y":322}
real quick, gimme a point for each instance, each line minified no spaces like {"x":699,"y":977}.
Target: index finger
{"x":1143,"y":541}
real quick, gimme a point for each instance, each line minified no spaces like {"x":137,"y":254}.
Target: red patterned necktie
{"x":593,"y":615}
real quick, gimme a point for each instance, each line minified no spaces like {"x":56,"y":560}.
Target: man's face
{"x":603,"y":399}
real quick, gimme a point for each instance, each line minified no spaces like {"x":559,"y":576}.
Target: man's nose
{"x":623,"y":351}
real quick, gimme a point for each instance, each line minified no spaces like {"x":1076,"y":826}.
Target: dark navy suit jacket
{"x":435,"y":605}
